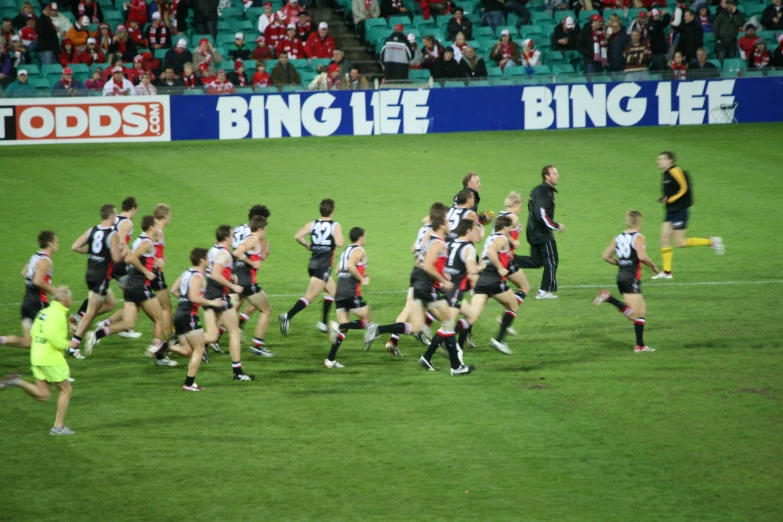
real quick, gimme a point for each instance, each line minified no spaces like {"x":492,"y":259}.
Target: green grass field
{"x":573,"y":426}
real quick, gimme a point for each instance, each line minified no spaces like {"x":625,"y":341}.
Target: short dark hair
{"x":107,"y":210}
{"x":172,"y":70}
{"x":463,"y":196}
{"x":465,"y":226}
{"x":437,"y":209}
{"x":669,"y":154}
{"x":45,"y":238}
{"x":503,"y":222}
{"x":222,"y":232}
{"x":129,"y":203}
{"x":438,"y":221}
{"x":147,"y":222}
{"x":257,"y":222}
{"x":327,"y":207}
{"x":545,"y":171}
{"x":282,"y":52}
{"x":461,"y":10}
{"x":355,"y":234}
{"x":196,"y":255}
{"x":258,"y":210}
{"x":467,"y":178}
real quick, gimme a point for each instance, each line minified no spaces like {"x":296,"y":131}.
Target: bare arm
{"x":194,"y":296}
{"x":470,"y":263}
{"x":429,"y":265}
{"x":641,"y":252}
{"x":175,"y":288}
{"x":608,"y":254}
{"x":217,"y":274}
{"x":39,"y":278}
{"x":80,"y":245}
{"x":240,"y":252}
{"x":338,"y":235}
{"x":24,"y":270}
{"x":494,"y":258}
{"x":354,"y":259}
{"x":133,"y":258}
{"x":300,"y":236}
{"x":118,"y":248}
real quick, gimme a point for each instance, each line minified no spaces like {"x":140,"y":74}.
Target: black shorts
{"x":138,"y":294}
{"x":212,"y":293}
{"x":159,"y":283}
{"x":248,"y":287}
{"x":320,"y":272}
{"x":454,"y":296}
{"x":99,"y":286}
{"x":120,"y":270}
{"x":490,"y":284}
{"x":426,"y":292}
{"x":31,"y":307}
{"x":629,"y":284}
{"x":350,"y":303}
{"x":678,"y":218}
{"x":185,"y":322}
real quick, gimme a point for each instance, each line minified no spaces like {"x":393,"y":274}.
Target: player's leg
{"x":259,"y":301}
{"x":231,"y":322}
{"x":331,"y":288}
{"x":39,"y":391}
{"x":445,"y":334}
{"x":666,"y":250}
{"x":520,"y":281}
{"x":314,"y":289}
{"x":22,"y":341}
{"x":194,"y":340}
{"x":164,"y":298}
{"x":509,"y":301}
{"x":636,"y":301}
{"x":129,"y":317}
{"x":605,"y":296}
{"x":394,"y":340}
{"x":94,"y":302}
{"x":337,"y":336}
{"x":534,"y":260}
{"x":160,"y":344}
{"x":63,"y":400}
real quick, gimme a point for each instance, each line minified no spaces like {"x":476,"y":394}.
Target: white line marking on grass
{"x":566,"y":287}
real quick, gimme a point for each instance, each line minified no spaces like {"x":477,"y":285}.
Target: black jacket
{"x":658,"y":35}
{"x":585,"y":42}
{"x":697,"y":71}
{"x":766,"y":19}
{"x":691,"y":38}
{"x":777,"y":58}
{"x":560,"y":32}
{"x":468,"y":72}
{"x":176,"y":60}
{"x":204,"y":10}
{"x":616,"y":50}
{"x":493,"y":5}
{"x":442,"y":70}
{"x":454,"y":27}
{"x":541,"y":214}
{"x":47,"y":35}
{"x":131,"y":50}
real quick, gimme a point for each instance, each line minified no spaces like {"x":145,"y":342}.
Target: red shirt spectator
{"x":747,"y":44}
{"x":290,"y":12}
{"x":260,"y":77}
{"x":760,"y":57}
{"x":263,"y":51}
{"x":135,"y":34}
{"x":95,"y":83}
{"x":220,"y":85}
{"x":437,"y":7}
{"x":91,"y":54}
{"x":304,"y":27}
{"x":138,"y":12}
{"x":291,"y":44}
{"x":320,"y":44}
{"x":104,"y":37}
{"x":274,"y":33}
{"x":28,"y":32}
{"x":68,"y":54}
{"x":203,"y":70}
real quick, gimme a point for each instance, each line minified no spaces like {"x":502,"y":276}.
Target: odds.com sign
{"x":56,"y":120}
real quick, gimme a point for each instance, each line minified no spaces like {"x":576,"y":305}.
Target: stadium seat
{"x":499,"y":80}
{"x":540,"y":17}
{"x":399,"y":19}
{"x":454,"y":84}
{"x":160,"y":54}
{"x":300,"y":64}
{"x":318,"y":62}
{"x":633,"y":13}
{"x":418,"y":74}
{"x":564,"y":68}
{"x":225,"y":39}
{"x":560,"y":15}
{"x":243,"y":26}
{"x":372,"y":23}
{"x":716,"y":63}
{"x":224,"y":26}
{"x":254,"y":13}
{"x":585,"y":14}
{"x":552,"y":57}
{"x":494,"y":71}
{"x":193,"y":92}
{"x":479,"y":32}
{"x":734,"y":64}
{"x":754,"y":74}
{"x":79,"y":68}
{"x":40,"y":84}
{"x":478,"y":83}
{"x":232,"y":12}
{"x":32,"y":69}
{"x":514,"y":71}
{"x":538,"y":70}
{"x":244,"y":90}
{"x":377,"y":33}
{"x":534,"y":32}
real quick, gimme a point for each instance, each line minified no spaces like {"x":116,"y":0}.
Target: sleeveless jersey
{"x":322,"y":239}
{"x":455,"y":264}
{"x":242,"y":268}
{"x":347,"y":285}
{"x":627,"y":258}
{"x":440,"y":262}
{"x":119,"y":219}
{"x":227,"y":269}
{"x":31,"y":290}
{"x":420,"y":238}
{"x":189,"y":277}
{"x":136,"y":278}
{"x":454,"y":216}
{"x":503,"y":255}
{"x":99,"y":261}
{"x":241,"y":233}
{"x":514,"y":234}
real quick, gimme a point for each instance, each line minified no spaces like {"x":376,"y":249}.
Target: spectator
{"x":48,"y":44}
{"x":118,"y":85}
{"x":362,"y":10}
{"x":678,"y":67}
{"x":59,"y":20}
{"x":178,"y":13}
{"x":691,"y":36}
{"x":522,"y":12}
{"x":137,"y":12}
{"x":25,"y":12}
{"x":396,"y":55}
{"x":436,"y":7}
{"x":304,"y":27}
{"x":123,"y":45}
{"x":289,"y":14}
{"x":265,"y":20}
{"x":493,"y":13}
{"x":726,"y":28}
{"x":565,"y":36}
{"x":239,"y":51}
{"x":529,"y":56}
{"x":220,"y":85}
{"x":205,"y":77}
{"x":145,"y":87}
{"x":79,"y":32}
{"x":747,"y":44}
{"x":430,"y":50}
{"x":168,"y":82}
{"x":344,"y":63}
{"x":328,"y":80}
{"x":459,"y":24}
{"x":260,"y":77}
{"x":355,"y":81}
{"x":114,"y":61}
{"x":104,"y":38}
{"x":458,"y":46}
{"x":759,"y":59}
{"x":616,"y":41}
{"x":135,"y":34}
{"x":275,"y":33}
{"x":505,"y":53}
{"x":701,"y":68}
{"x":20,"y":88}
{"x":262,"y":50}
{"x":95,"y":83}
{"x":446,"y":67}
{"x":189,"y":78}
{"x":161,"y":7}
{"x":393,"y":7}
{"x":177,"y":57}
{"x":705,"y":18}
{"x":320,"y":44}
{"x":205,"y":16}
{"x":237,"y":77}
{"x":206,"y":53}
{"x":16,"y":57}
{"x":28,"y":35}
{"x":157,"y":34}
{"x":283,"y":73}
{"x":472,"y":66}
{"x":639,"y":24}
{"x":88,"y":8}
{"x":291,"y":44}
{"x":593,"y":45}
{"x":637,"y":58}
{"x":556,"y":5}
{"x":772,"y":17}
{"x":68,"y":53}
{"x":136,"y":72}
{"x":659,"y":40}
{"x":417,"y":60}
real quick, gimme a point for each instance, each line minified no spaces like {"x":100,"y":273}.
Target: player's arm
{"x":641,"y":252}
{"x":194,"y":295}
{"x":354,"y":259}
{"x":118,"y":248}
{"x":429,"y":265}
{"x":39,"y":277}
{"x":217,"y":273}
{"x":134,"y":258}
{"x":241,"y":252}
{"x":24,"y":270}
{"x":494,"y":258}
{"x":264,"y":246}
{"x":469,"y":257}
{"x":337,"y":232}
{"x":679,"y":177}
{"x":608,"y":254}
{"x":175,"y":288}
{"x":541,"y":213}
{"x":80,"y":245}
{"x":303,"y":232}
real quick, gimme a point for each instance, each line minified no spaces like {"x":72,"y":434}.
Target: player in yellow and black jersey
{"x":678,"y":197}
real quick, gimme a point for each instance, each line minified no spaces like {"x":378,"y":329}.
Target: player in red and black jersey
{"x":627,"y":250}
{"x":465,"y":202}
{"x":249,"y":255}
{"x":462,"y":267}
{"x":103,"y":248}
{"x":189,"y":289}
{"x":162,"y":215}
{"x":37,"y":274}
{"x":325,"y":235}
{"x":240,"y":233}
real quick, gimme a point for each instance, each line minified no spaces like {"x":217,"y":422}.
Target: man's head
{"x":636,"y":36}
{"x":48,"y":239}
{"x":258,"y":223}
{"x":156,"y":18}
{"x":16,"y":42}
{"x":323,"y":29}
{"x":731,"y":6}
{"x":569,"y":23}
{"x":326,"y":207}
{"x":357,"y":236}
{"x":283,"y":57}
{"x":54,"y":10}
{"x":133,"y":24}
{"x":291,"y":31}
{"x":239,"y":67}
{"x":655,"y":14}
{"x":62,"y":294}
{"x":615,"y":26}
{"x":750,"y":30}
{"x":678,"y":57}
{"x":138,"y":61}
{"x":459,"y":39}
{"x":261,"y":41}
{"x":688,"y":16}
{"x":187,"y":68}
{"x":503,"y":224}
{"x":261,"y":66}
{"x":103,"y":28}
{"x":84,"y":21}
{"x":701,"y":55}
{"x":505,"y":36}
{"x":162,"y":212}
{"x":761,"y":45}
{"x":550,"y":175}
{"x":513,"y":202}
{"x":203,"y":45}
{"x":428,"y":40}
{"x":223,"y":234}
{"x":465,"y":198}
{"x":117,"y":74}
{"x":198,"y":258}
{"x":471,"y":181}
{"x":258,"y":210}
{"x":438,"y":209}
{"x":666,"y":160}
{"x":459,"y":13}
{"x":642,"y":17}
{"x":21,"y":76}
{"x":448,"y":54}
{"x":221,"y":75}
{"x":596,"y":21}
{"x":267,"y":8}
{"x":7,"y":25}
{"x":465,"y":227}
{"x":633,"y":219}
{"x":334,"y":71}
{"x":122,"y":32}
{"x":354,"y":74}
{"x":469,"y":53}
{"x":108,"y":212}
{"x":239,"y":39}
{"x":182,"y":46}
{"x":439,"y":224}
{"x":168,"y":74}
{"x":338,"y":56}
{"x":129,"y":206}
{"x":91,"y":43}
{"x":148,"y":224}
{"x":30,"y":22}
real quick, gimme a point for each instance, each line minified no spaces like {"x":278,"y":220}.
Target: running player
{"x":189,"y":289}
{"x":103,"y":246}
{"x":348,"y":296}
{"x":139,"y":294}
{"x":37,"y":274}
{"x":221,"y":282}
{"x":511,"y":207}
{"x":464,"y":210}
{"x":325,"y":235}
{"x":678,"y":197}
{"x":492,"y":281}
{"x":240,"y":234}
{"x":162,"y":215}
{"x":248,"y":256}
{"x":628,"y":252}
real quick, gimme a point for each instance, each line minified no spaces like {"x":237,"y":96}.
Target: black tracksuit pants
{"x":542,"y":254}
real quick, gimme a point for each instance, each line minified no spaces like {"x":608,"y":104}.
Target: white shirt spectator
{"x":62,"y":24}
{"x":112,"y":89}
{"x":265,"y":21}
{"x":145,"y":90}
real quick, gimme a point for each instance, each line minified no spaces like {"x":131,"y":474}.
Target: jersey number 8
{"x":623,"y":246}
{"x":97,"y":242}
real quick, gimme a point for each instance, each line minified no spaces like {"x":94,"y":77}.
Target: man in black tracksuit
{"x":471,"y":182}
{"x":541,"y":226}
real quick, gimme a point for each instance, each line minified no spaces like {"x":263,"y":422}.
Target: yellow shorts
{"x":51,"y":373}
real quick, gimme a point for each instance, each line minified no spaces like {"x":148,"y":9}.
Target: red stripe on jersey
{"x":255,"y":256}
{"x":159,"y":247}
{"x":639,"y":270}
{"x":360,"y":268}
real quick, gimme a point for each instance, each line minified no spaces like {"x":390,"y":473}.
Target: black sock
{"x":520,"y":296}
{"x":451,"y":346}
{"x":327,"y":306}
{"x":616,"y":302}
{"x":508,"y":318}
{"x":462,"y":331}
{"x":638,"y":326}
{"x":428,"y":319}
{"x":77,"y":340}
{"x":83,"y":308}
{"x":236,"y":366}
{"x":436,"y":340}
{"x":189,"y":380}
{"x":101,"y":333}
{"x":352,"y":325}
{"x":165,"y":347}
{"x":300,"y":305}
{"x":396,"y":328}
{"x":336,"y":346}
